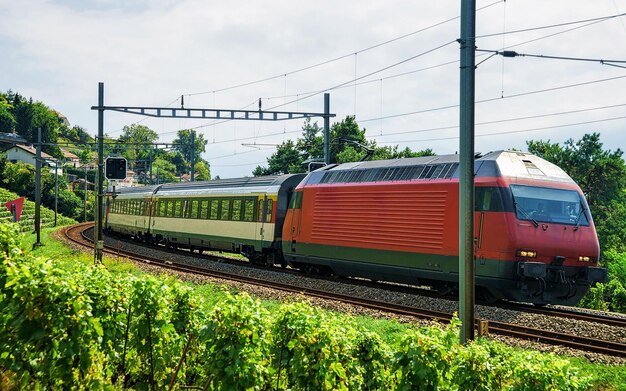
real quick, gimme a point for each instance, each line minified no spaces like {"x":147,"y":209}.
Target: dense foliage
{"x":601,"y":174}
{"x":20,"y":178}
{"x":86,"y":328}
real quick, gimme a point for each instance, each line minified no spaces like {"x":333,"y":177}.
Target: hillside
{"x":28,"y":213}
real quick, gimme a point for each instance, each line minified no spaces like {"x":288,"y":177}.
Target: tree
{"x":202,"y":171}
{"x":135,"y":144}
{"x":183,"y":147}
{"x":7,"y":121}
{"x":164,"y":169}
{"x":286,"y":160}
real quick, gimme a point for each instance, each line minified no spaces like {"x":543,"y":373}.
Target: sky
{"x":391,"y":64}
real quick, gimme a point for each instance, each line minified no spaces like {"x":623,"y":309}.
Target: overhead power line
{"x":348,"y":82}
{"x":496,"y":99}
{"x":511,"y":131}
{"x":599,"y":19}
{"x":348,"y":55}
{"x":501,"y":120}
{"x":512,"y":53}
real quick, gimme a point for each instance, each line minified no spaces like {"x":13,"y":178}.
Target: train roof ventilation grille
{"x":402,"y":173}
{"x":532,"y":168}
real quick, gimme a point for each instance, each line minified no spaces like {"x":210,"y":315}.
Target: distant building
{"x":70,"y":158}
{"x":79,"y":184}
{"x":27,"y":153}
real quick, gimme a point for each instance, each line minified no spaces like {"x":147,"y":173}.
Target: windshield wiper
{"x":580,"y":214}
{"x":526,"y":213}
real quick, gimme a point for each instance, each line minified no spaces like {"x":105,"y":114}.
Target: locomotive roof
{"x":492,"y":164}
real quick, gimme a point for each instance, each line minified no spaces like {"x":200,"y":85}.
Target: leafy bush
{"x":236,"y":340}
{"x":86,"y":328}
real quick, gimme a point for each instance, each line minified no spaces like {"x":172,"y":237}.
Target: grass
{"x":605,"y":377}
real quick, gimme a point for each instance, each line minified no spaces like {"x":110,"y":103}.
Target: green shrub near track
{"x":87,"y":328}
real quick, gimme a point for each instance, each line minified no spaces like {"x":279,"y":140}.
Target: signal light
{"x":584,"y":258}
{"x":115,"y":168}
{"x":526,"y":253}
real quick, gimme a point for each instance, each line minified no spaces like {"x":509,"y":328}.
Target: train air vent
{"x":532,"y":169}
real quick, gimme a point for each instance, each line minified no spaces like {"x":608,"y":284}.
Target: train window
{"x":214,"y":209}
{"x":549,"y":205}
{"x":236,"y":210}
{"x":260,"y":211}
{"x":178,"y":208}
{"x":268,"y":211}
{"x":185,"y":212}
{"x":296,"y":200}
{"x":194,"y":209}
{"x":248,"y":213}
{"x":224,"y":209}
{"x":161,"y":208}
{"x":203,"y":209}
{"x":488,"y":199}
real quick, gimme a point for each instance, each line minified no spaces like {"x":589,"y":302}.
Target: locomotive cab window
{"x":296,"y":200}
{"x":547,"y":205}
{"x":488,"y":199}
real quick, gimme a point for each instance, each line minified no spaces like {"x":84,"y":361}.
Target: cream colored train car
{"x":243,"y":215}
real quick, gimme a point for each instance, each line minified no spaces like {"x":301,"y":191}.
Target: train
{"x":387,"y":220}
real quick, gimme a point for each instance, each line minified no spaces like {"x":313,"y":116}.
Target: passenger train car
{"x":391,"y":220}
{"x":238,"y":215}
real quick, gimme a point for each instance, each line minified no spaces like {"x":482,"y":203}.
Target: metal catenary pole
{"x":466,"y":182}
{"x":193,"y":155}
{"x":99,"y":231}
{"x":85,"y":195}
{"x":56,"y":190}
{"x":38,"y":188}
{"x":327,"y":128}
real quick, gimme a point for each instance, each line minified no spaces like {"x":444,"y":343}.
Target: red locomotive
{"x":398,"y":220}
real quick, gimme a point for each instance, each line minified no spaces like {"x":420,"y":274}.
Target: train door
{"x":260,"y":225}
{"x":296,"y":217}
{"x":146,"y":213}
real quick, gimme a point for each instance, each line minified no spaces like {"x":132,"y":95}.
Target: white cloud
{"x":150,"y":52}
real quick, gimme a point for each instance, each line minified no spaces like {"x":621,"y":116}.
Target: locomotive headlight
{"x":526,"y":253}
{"x":584,"y":258}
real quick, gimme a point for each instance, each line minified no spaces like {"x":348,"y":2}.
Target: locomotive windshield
{"x":541,"y":204}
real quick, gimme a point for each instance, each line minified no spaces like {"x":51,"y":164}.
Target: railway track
{"x":76,"y":235}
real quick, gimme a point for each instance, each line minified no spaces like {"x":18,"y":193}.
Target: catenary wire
{"x":284,"y":74}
